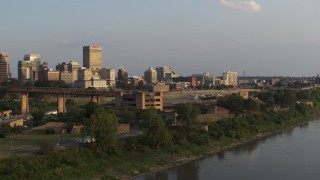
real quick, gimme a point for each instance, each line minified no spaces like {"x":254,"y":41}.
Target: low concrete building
{"x":12,"y":121}
{"x":15,"y":122}
{"x":5,"y":113}
{"x":140,"y":99}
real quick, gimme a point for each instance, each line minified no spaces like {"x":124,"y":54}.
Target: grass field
{"x":34,"y":138}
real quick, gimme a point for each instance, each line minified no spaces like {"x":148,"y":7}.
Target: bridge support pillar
{"x":95,"y":99}
{"x":24,"y":103}
{"x":61,"y":99}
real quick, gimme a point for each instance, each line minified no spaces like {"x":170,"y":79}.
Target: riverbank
{"x":176,"y":145}
{"x":214,"y":149}
{"x":140,"y":160}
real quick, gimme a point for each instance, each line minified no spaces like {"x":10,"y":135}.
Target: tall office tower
{"x":73,"y":67}
{"x":28,"y":67}
{"x":164,"y":73}
{"x":92,"y":57}
{"x":42,"y":71}
{"x":122,"y":75}
{"x":4,"y":68}
{"x":231,"y":78}
{"x":150,"y":75}
{"x":6,"y":58}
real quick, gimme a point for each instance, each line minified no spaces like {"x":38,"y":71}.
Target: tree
{"x":128,"y":116}
{"x":5,"y":129}
{"x":89,"y":108}
{"x":304,"y":95}
{"x":188,"y":115}
{"x":103,"y":127}
{"x":234,"y":103}
{"x":153,"y":128}
{"x":70,"y":103}
{"x":37,"y":118}
{"x":3,"y":93}
{"x":285,"y":98}
{"x":74,"y":114}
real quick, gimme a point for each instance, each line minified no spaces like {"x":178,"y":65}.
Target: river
{"x":293,"y":155}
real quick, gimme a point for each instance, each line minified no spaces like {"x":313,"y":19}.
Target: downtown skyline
{"x":261,"y":37}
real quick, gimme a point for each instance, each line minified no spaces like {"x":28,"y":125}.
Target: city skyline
{"x":191,"y":37}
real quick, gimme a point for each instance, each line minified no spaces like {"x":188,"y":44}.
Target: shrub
{"x":17,"y":129}
{"x":46,"y":149}
{"x":199,"y":138}
{"x":2,"y":135}
{"x":5,"y":129}
{"x":50,"y":131}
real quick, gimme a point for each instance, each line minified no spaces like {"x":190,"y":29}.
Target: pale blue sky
{"x":264,"y":37}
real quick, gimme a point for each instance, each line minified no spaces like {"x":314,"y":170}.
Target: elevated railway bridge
{"x":61,"y":95}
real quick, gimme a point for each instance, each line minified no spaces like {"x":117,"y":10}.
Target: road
{"x":134,"y":131}
{"x":37,"y":148}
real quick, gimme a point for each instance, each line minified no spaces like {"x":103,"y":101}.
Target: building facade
{"x":93,"y":83}
{"x":28,"y":67}
{"x":4,"y":68}
{"x":52,"y":75}
{"x":230,"y":78}
{"x":73,"y":67}
{"x":188,"y":79}
{"x":122,"y":75}
{"x":164,"y":73}
{"x":92,"y":57}
{"x":109,"y":74}
{"x":150,"y":76}
{"x":140,"y":100}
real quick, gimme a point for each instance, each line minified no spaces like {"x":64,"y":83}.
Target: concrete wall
{"x":5,"y":113}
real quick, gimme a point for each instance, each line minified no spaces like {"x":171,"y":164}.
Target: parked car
{"x":87,"y":139}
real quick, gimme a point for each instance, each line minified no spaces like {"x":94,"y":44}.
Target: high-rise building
{"x":230,"y":78}
{"x":122,"y":75}
{"x":4,"y":68}
{"x":150,"y":75}
{"x":73,"y":67}
{"x":92,"y":57}
{"x":42,"y":71}
{"x":87,"y":74}
{"x":6,"y":58}
{"x":109,"y":74}
{"x":28,"y":67}
{"x":66,"y":69}
{"x":164,"y":73}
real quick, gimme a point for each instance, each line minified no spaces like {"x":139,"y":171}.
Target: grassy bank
{"x":132,"y":160}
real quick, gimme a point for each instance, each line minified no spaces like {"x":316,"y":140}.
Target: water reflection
{"x":189,"y":171}
{"x":304,"y":126}
{"x":158,"y":176}
{"x":185,"y":172}
{"x":292,"y":154}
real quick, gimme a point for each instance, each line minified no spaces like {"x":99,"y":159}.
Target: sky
{"x":262,"y":37}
